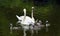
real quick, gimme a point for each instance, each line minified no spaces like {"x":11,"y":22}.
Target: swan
{"x":25,"y":21}
{"x":28,"y":19}
{"x":47,"y":25}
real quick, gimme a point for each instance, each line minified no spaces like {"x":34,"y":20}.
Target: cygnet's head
{"x":40,"y":21}
{"x":47,"y":21}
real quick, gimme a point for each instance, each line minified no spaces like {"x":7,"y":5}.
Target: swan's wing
{"x":18,"y":17}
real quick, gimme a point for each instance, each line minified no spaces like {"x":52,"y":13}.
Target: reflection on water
{"x":41,"y":32}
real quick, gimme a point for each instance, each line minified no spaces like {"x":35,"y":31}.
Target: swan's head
{"x":24,"y":10}
{"x":32,"y":7}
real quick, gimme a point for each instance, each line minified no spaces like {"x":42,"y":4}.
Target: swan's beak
{"x":18,"y":17}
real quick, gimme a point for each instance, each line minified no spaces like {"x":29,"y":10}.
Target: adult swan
{"x":25,"y":21}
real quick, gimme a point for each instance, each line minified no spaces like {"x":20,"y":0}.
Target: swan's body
{"x":27,"y":20}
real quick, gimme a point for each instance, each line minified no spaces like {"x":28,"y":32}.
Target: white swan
{"x":25,"y":20}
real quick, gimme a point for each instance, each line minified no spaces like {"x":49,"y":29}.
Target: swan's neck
{"x":24,"y":15}
{"x":32,"y":14}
